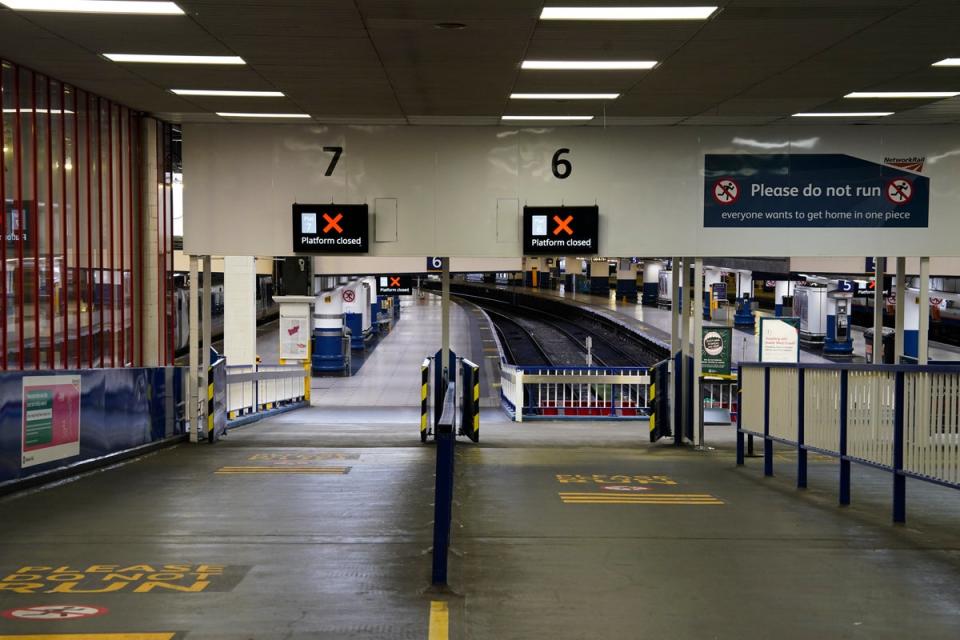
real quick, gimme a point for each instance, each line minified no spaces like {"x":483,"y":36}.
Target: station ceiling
{"x":754,"y":62}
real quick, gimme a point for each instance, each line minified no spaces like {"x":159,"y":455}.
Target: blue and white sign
{"x":811,"y":190}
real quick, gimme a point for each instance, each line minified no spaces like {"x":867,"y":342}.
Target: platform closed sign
{"x":560,"y":230}
{"x":811,"y":191}
{"x":395,"y":285}
{"x":715,"y":349}
{"x":330,"y":228}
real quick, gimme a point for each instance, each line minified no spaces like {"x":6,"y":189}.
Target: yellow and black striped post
{"x":470,"y":417}
{"x":424,"y":395}
{"x":210,"y":407}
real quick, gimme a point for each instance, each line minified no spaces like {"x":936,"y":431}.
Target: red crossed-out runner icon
{"x":333,"y":223}
{"x":563,"y":225}
{"x":394,"y":281}
{"x":899,"y":191}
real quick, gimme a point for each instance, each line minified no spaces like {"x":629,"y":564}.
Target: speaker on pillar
{"x":297,"y":278}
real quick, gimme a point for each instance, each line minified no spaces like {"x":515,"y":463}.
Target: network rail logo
{"x":912,"y":163}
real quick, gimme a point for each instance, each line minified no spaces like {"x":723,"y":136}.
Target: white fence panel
{"x":870,"y":412}
{"x":932,"y":425}
{"x":821,"y":409}
{"x":751,"y":398}
{"x":784,"y":389}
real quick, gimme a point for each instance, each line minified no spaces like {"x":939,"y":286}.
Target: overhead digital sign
{"x":393,"y":285}
{"x":560,"y":230}
{"x":330,"y":228}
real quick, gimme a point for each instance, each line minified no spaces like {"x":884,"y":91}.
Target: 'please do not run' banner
{"x":811,"y":190}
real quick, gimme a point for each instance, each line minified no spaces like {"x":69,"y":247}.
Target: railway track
{"x":533,"y":337}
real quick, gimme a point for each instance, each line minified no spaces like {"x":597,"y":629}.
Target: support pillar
{"x":676,"y":349}
{"x":240,"y":310}
{"x":696,"y":403}
{"x":651,"y":282}
{"x":445,"y":320}
{"x":600,"y":278}
{"x":923,"y":343}
{"x":193,"y":320}
{"x":781,"y":290}
{"x":880,"y":268}
{"x":206,"y":331}
{"x":899,"y":308}
{"x":150,"y":327}
{"x":626,"y":280}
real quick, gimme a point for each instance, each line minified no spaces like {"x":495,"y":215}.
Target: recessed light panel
{"x":228,"y":94}
{"x":845,"y":114}
{"x":626,"y":13}
{"x":547,"y":117}
{"x":564,"y":96}
{"x":948,"y":62}
{"x":589,"y":65}
{"x":902,"y":94}
{"x":225,"y":114}
{"x":97,"y":6}
{"x":172,"y":59}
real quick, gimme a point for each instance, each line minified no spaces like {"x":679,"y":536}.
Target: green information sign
{"x":39,"y":417}
{"x":715,"y":349}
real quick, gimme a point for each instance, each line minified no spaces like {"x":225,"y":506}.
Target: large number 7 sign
{"x":337,"y":152}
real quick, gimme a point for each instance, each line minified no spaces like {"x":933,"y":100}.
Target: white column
{"x":697,"y":351}
{"x":676,"y":345}
{"x":148,"y":297}
{"x":193,"y":313}
{"x":685,"y":346}
{"x":900,"y":298}
{"x":781,"y":289}
{"x":880,"y":268}
{"x":923,"y":346}
{"x":445,"y":321}
{"x":207,"y":324}
{"x":651,"y":274}
{"x":240,"y":310}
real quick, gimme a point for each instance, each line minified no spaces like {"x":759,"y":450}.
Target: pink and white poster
{"x":51,"y":419}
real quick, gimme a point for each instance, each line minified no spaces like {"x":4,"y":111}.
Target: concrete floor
{"x":317,"y":524}
{"x":331,"y":540}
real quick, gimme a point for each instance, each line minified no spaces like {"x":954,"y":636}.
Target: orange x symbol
{"x":394,"y":282}
{"x":332,"y":223}
{"x":563,"y":225}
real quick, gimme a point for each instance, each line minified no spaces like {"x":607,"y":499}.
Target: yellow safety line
{"x":439,"y":621}
{"x":93,"y":636}
{"x":649,"y":502}
{"x":651,"y":495}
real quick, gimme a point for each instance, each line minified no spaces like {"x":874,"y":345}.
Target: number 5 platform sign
{"x":51,"y":419}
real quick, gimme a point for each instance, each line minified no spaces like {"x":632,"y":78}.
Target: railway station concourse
{"x":482,"y":320}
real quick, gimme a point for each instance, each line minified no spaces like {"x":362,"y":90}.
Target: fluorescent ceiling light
{"x":165,"y":59}
{"x":948,"y":62}
{"x":547,"y":117}
{"x":234,"y":94}
{"x":845,"y":114}
{"x":902,"y":94}
{"x":97,"y":6}
{"x":589,"y":64}
{"x":564,"y":96}
{"x":225,"y":114}
{"x":627,"y":13}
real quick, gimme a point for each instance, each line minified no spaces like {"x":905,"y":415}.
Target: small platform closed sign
{"x":330,"y":228}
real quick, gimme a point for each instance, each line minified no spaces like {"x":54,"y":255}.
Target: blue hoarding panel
{"x":120,"y":409}
{"x":812,"y":191}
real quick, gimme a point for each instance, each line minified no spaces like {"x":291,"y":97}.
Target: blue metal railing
{"x":904,"y":419}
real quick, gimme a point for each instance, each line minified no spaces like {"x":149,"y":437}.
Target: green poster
{"x":715,"y":349}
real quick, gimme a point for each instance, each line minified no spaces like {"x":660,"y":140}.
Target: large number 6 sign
{"x":559,"y":163}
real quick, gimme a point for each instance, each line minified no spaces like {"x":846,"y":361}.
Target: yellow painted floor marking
{"x":93,"y":636}
{"x":653,"y":498}
{"x":255,"y":470}
{"x":439,"y":621}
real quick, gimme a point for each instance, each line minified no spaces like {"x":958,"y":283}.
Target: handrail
{"x":904,"y":419}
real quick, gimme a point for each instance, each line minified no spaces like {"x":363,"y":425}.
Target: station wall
{"x":459,"y":191}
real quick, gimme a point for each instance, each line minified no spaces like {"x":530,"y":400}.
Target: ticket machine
{"x":838,"y":340}
{"x":744,"y":315}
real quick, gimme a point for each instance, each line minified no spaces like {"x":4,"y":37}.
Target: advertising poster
{"x":715,"y":349}
{"x":779,"y":340}
{"x":294,"y":336}
{"x":51,"y":419}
